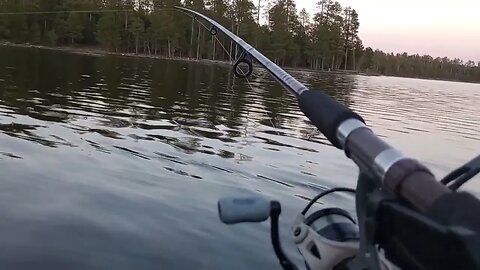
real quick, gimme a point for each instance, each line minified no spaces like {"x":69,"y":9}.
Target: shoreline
{"x":97,"y":51}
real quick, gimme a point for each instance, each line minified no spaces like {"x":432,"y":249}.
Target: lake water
{"x":118,"y":163}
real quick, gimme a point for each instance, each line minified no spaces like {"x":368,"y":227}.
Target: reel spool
{"x":327,"y":238}
{"x":334,"y":224}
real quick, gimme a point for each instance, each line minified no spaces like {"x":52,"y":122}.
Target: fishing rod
{"x":404,"y":216}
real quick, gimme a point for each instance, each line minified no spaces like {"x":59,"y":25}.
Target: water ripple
{"x":127,"y":148}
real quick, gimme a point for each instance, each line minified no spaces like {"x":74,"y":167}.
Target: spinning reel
{"x":327,"y":238}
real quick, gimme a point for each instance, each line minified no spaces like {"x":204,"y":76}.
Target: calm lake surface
{"x":118,"y":163}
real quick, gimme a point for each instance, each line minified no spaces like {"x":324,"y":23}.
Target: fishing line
{"x":224,"y":49}
{"x":242,"y":73}
{"x":65,"y":12}
{"x":216,"y":38}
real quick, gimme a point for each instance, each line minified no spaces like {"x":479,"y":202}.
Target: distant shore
{"x":97,"y":51}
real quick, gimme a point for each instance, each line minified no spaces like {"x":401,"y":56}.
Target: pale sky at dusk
{"x":434,"y":27}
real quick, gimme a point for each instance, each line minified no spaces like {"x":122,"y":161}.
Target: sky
{"x":435,"y":27}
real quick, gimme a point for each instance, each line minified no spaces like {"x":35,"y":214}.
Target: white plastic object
{"x":246,"y":209}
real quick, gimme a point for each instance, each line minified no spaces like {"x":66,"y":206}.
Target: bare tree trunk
{"x":347,"y":34}
{"x":258,"y":12}
{"x":346,"y":57}
{"x":214,"y":43}
{"x":231,"y":46}
{"x":222,"y":52}
{"x":353,"y":59}
{"x":236,"y":46}
{"x":191,"y":39}
{"x":198,"y":43}
{"x":169,"y":48}
{"x":322,"y":7}
{"x":136,"y":44}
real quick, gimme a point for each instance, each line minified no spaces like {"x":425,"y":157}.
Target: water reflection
{"x":182,"y":104}
{"x":127,"y":157}
{"x":118,"y":92}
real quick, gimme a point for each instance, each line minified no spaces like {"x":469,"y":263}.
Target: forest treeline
{"x":325,"y":40}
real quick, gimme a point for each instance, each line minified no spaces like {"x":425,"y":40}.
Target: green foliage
{"x":136,"y":28}
{"x":414,"y":65}
{"x":108,"y":33}
{"x":325,"y":40}
{"x":51,"y":38}
{"x":74,"y":27}
{"x":16,"y":28}
{"x":35,"y":33}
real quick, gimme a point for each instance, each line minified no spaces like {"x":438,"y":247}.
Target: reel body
{"x":326,"y":238}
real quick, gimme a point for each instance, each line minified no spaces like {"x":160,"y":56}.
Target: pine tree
{"x":108,"y":32}
{"x":74,"y":27}
{"x":35,"y":33}
{"x":329,"y":40}
{"x":51,"y":38}
{"x":136,"y":28}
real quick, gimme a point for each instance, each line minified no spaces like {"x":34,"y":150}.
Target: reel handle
{"x":247,"y":209}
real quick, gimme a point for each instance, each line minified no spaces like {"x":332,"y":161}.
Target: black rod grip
{"x":325,"y":113}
